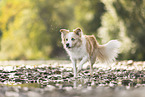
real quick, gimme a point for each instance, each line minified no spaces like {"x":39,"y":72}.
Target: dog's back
{"x":104,"y":53}
{"x":91,"y":44}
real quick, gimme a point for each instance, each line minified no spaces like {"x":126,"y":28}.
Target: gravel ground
{"x":55,"y":79}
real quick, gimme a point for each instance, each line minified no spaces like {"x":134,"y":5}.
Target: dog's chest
{"x":78,"y":53}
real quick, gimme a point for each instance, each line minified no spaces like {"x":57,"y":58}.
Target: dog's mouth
{"x":68,"y":47}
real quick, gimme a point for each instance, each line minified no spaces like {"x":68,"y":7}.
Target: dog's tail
{"x":108,"y":52}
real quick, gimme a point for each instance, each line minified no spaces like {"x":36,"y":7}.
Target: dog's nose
{"x":67,"y":45}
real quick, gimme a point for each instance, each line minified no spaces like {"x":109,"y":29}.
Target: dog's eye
{"x":66,"y":39}
{"x":72,"y":39}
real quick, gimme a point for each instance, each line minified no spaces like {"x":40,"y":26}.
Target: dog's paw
{"x":79,"y":69}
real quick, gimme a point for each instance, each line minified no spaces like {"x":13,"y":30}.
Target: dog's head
{"x":71,"y":39}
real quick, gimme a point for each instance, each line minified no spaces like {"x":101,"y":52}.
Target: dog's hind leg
{"x":92,"y":61}
{"x":74,"y":67}
{"x":91,"y":67}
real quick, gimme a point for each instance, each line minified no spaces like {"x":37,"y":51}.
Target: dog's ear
{"x":78,"y":31}
{"x":64,"y":31}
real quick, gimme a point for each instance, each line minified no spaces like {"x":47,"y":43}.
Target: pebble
{"x":57,"y":82}
{"x":2,"y":95}
{"x":16,"y":89}
{"x":49,"y":88}
{"x":33,"y":94}
{"x":11,"y":94}
{"x":119,"y":88}
{"x":68,"y":88}
{"x":25,"y":89}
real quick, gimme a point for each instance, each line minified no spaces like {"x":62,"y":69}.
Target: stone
{"x":126,"y":82}
{"x":49,"y":88}
{"x":33,"y":94}
{"x":68,"y":88}
{"x":25,"y":89}
{"x":11,"y":94}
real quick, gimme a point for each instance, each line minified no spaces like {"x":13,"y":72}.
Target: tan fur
{"x":91,"y":44}
{"x":86,"y":47}
{"x":95,"y":50}
{"x":77,"y":42}
{"x":101,"y":55}
{"x":77,"y":31}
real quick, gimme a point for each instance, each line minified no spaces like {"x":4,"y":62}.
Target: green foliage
{"x":125,"y":20}
{"x":133,"y":16}
{"x":29,"y":29}
{"x":88,"y":13}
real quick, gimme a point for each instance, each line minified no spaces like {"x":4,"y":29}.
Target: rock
{"x":33,"y":94}
{"x":55,"y":94}
{"x":119,"y":88}
{"x":89,"y":88}
{"x":11,"y":94}
{"x":56,"y":82}
{"x":2,"y":95}
{"x":16,"y":89}
{"x":25,"y":89}
{"x":57,"y":72}
{"x":130,"y":62}
{"x":71,"y":75}
{"x":126,"y":82}
{"x":67,"y":88}
{"x":140,"y":81}
{"x":39,"y":90}
{"x":111,"y":85}
{"x":49,"y":88}
{"x":79,"y":87}
{"x":132,"y":84}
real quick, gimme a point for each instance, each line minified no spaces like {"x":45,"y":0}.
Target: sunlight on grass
{"x":29,"y":85}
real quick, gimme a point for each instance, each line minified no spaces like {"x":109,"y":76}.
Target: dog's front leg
{"x":84,"y":59}
{"x":74,"y":67}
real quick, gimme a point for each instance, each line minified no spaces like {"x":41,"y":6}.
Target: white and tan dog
{"x":86,"y":48}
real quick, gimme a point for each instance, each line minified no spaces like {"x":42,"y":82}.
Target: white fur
{"x":110,"y":51}
{"x":69,"y":38}
{"x":104,"y":53}
{"x":112,"y":48}
{"x":78,"y":52}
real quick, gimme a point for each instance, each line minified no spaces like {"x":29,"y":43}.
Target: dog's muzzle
{"x":67,"y":45}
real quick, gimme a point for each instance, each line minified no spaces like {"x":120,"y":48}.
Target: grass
{"x":29,"y":85}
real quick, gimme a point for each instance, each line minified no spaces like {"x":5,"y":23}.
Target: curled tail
{"x":108,"y":52}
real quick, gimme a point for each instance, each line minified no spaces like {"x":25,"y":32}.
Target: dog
{"x":85,"y":47}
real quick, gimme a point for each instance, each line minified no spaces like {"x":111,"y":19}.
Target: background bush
{"x":29,"y":29}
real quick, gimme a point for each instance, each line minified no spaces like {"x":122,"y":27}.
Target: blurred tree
{"x":11,"y":21}
{"x":124,"y":20}
{"x":88,"y":14}
{"x":132,"y":13}
{"x":29,"y":29}
{"x":53,"y":16}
